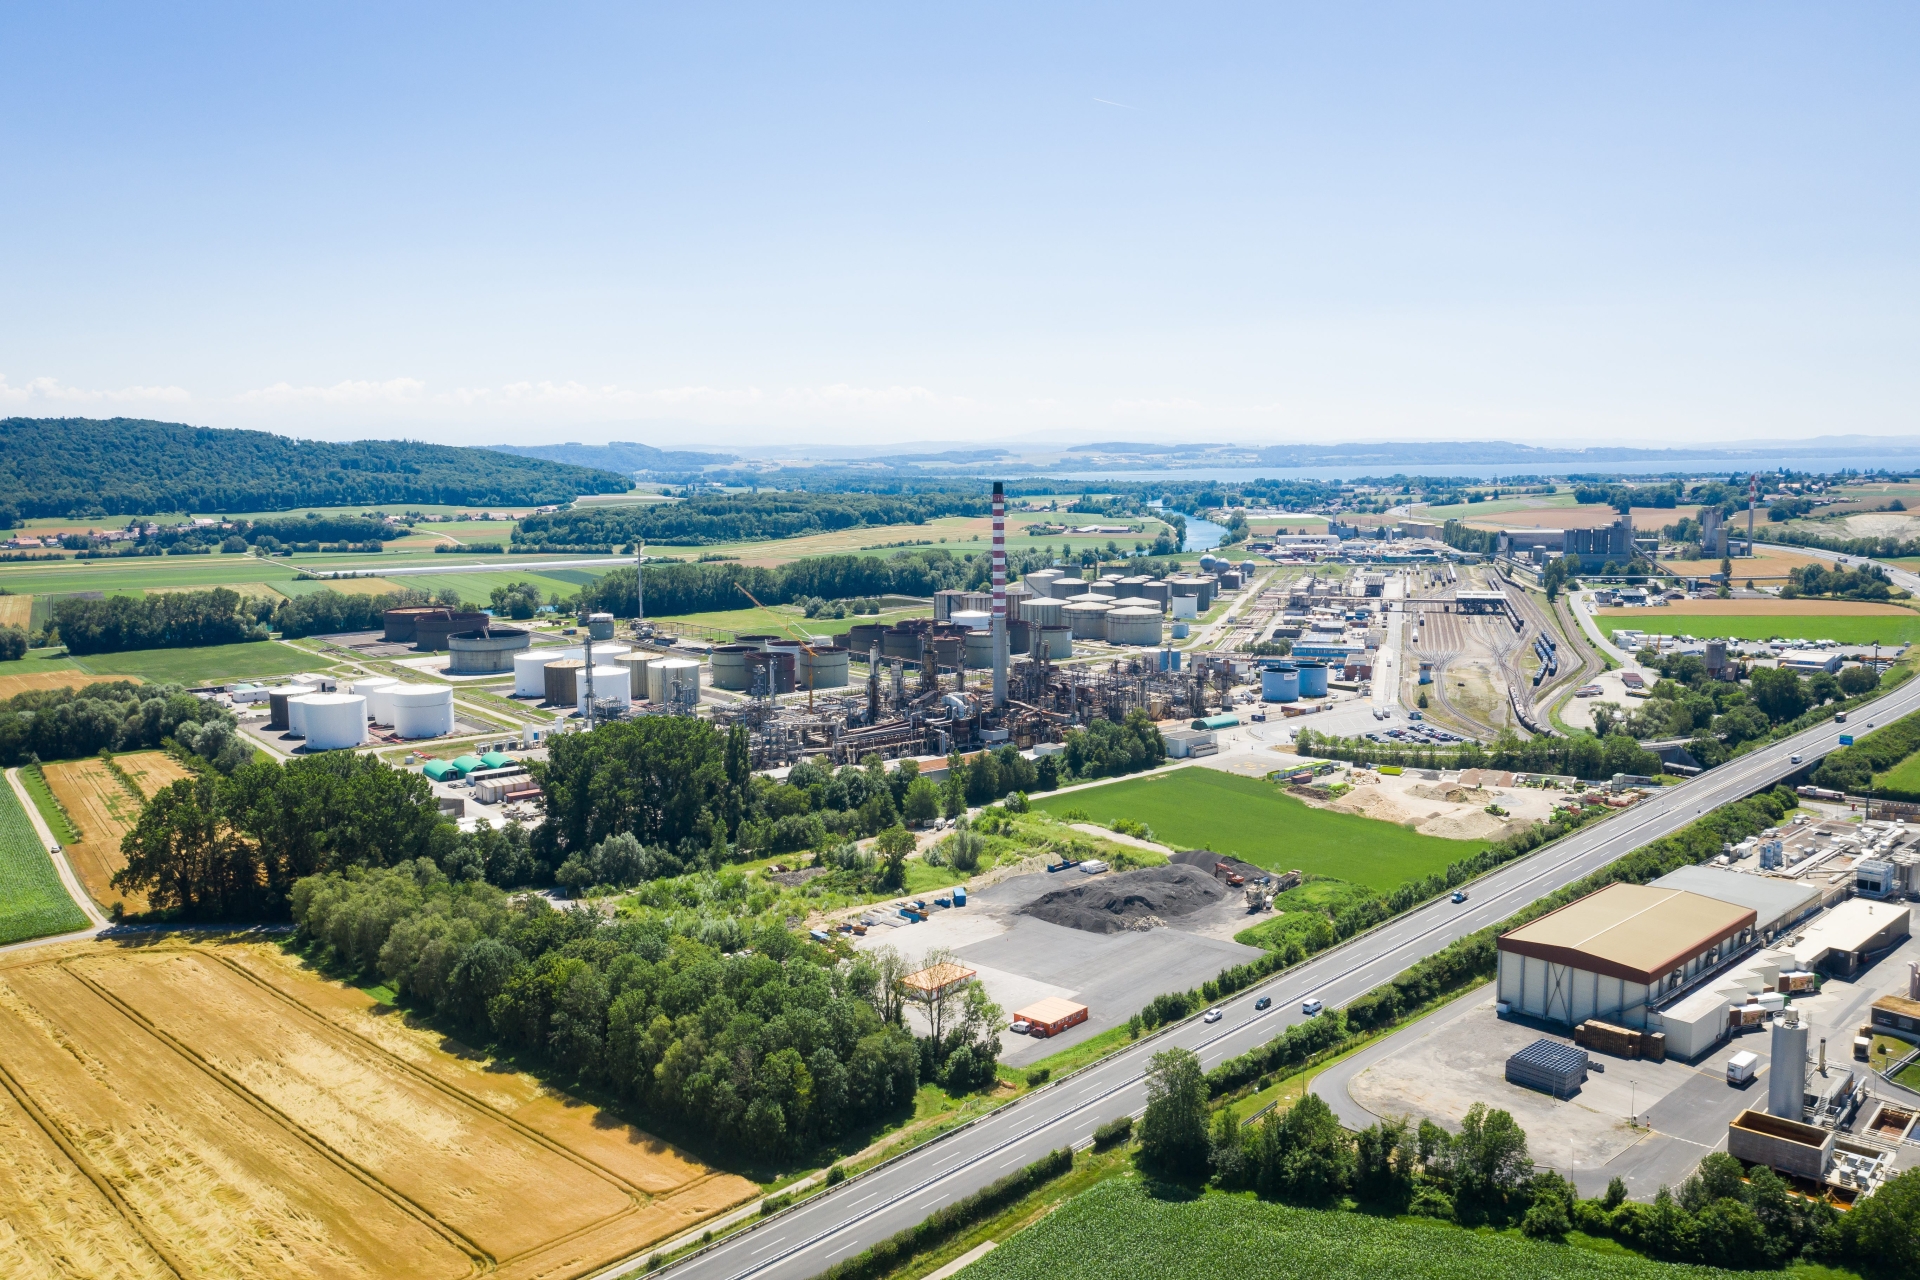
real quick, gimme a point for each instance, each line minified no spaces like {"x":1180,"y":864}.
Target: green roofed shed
{"x":495,"y":760}
{"x":440,"y":770}
{"x":1217,"y":722}
{"x":466,"y":764}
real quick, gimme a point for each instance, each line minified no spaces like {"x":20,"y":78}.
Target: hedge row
{"x":1852,"y":768}
{"x":950,"y":1220}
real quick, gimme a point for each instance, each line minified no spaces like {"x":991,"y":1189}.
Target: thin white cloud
{"x":53,"y":391}
{"x":414,"y":393}
{"x":392,"y":391}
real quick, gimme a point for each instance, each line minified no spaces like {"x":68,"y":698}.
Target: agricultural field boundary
{"x":39,"y":902}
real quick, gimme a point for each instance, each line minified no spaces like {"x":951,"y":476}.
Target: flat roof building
{"x":1778,"y":904}
{"x":1613,"y":954}
{"x":1851,"y":935}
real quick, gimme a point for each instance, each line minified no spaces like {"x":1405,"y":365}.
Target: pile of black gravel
{"x":1115,"y":903}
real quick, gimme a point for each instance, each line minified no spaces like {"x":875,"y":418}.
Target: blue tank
{"x":1313,"y":679}
{"x":1208,"y":563}
{"x":1280,"y":682}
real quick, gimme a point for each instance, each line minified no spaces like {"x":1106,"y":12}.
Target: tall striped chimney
{"x":999,"y":595}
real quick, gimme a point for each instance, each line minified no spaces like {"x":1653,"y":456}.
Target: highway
{"x":819,"y":1232}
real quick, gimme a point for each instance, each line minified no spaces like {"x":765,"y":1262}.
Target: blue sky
{"x":739,"y":224}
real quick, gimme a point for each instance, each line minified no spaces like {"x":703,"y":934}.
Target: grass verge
{"x":33,"y":903}
{"x":51,"y":811}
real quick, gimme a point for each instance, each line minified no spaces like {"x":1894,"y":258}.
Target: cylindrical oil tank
{"x":1201,"y":588}
{"x":1133,"y":624}
{"x":1067,"y":586}
{"x":674,"y":680}
{"x":529,"y":672}
{"x":421,"y":710}
{"x":1089,"y":597}
{"x":374,"y":689}
{"x":1020,"y":636}
{"x":600,"y":626}
{"x":1230,"y":580}
{"x":636,"y":665}
{"x":785,"y":645}
{"x":770,"y":673}
{"x":1179,"y":631}
{"x":1131,"y":588}
{"x":945,"y":602}
{"x":979,"y":650}
{"x":979,"y":602}
{"x":862,"y":636}
{"x":400,"y":622}
{"x":277,"y":699}
{"x":1313,"y":679}
{"x":431,"y":631}
{"x":1042,"y":611}
{"x":949,"y":647}
{"x":758,"y":642}
{"x":562,"y":685}
{"x":1158,"y":591}
{"x":823,"y":668}
{"x":297,"y":713}
{"x":1041,"y":581}
{"x":1102,"y":589}
{"x":900,"y":642}
{"x":729,"y":670}
{"x":1280,"y":682}
{"x":609,"y":683}
{"x":1056,"y":642}
{"x":335,"y":720}
{"x":971,"y":619}
{"x":1016,"y":592}
{"x":1787,"y":1073}
{"x":1088,"y":619}
{"x":486,"y":651}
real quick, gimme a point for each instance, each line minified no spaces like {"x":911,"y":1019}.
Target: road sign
{"x":1846,"y":739}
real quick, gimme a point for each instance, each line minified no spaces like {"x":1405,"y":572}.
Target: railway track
{"x":1445,"y":638}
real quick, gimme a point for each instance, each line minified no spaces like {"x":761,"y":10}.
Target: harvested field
{"x":151,"y":771}
{"x":70,"y":678}
{"x":102,"y":811}
{"x":214,"y":1109}
{"x":345,"y":586}
{"x":1130,"y":900}
{"x":264,"y":590}
{"x":16,"y":611}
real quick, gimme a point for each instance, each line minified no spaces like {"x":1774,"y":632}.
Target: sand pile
{"x":1452,"y":793}
{"x":1113,"y":903}
{"x":1476,"y":824}
{"x":1373,"y":802}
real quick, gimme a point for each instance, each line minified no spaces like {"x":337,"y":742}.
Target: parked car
{"x":1263,"y":1002}
{"x":1311,"y":1007}
{"x":1212,"y":1015}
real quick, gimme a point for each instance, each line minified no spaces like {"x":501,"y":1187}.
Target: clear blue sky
{"x":738,"y":223}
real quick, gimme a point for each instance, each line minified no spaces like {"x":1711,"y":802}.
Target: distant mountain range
{"x":624,"y":456}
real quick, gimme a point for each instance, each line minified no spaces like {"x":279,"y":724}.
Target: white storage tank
{"x":1088,"y":619}
{"x":373,"y":689}
{"x":609,"y":682}
{"x":1042,"y":611}
{"x":1133,"y":624}
{"x":636,"y":665}
{"x":529,"y":671}
{"x":297,"y":714}
{"x":277,"y":700}
{"x":825,"y":667}
{"x":421,"y":710}
{"x":1057,"y":642}
{"x":674,"y":680}
{"x":971,"y":619}
{"x":334,"y":720}
{"x":977,"y":654}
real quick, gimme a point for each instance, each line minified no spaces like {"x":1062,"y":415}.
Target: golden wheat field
{"x":16,"y":611}
{"x":103,"y":811}
{"x":34,"y":681}
{"x":207,"y":1109}
{"x":151,"y":770}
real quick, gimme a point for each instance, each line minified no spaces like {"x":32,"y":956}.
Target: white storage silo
{"x":1088,"y":619}
{"x":1133,"y":624}
{"x":1041,"y":611}
{"x":609,"y":683}
{"x":297,"y":714}
{"x":335,"y":720}
{"x":421,"y":710}
{"x":529,"y":671}
{"x":674,"y":680}
{"x":971,"y":619}
{"x":277,"y":699}
{"x":373,"y":689}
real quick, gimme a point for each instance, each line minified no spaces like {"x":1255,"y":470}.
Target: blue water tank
{"x":1179,"y":631}
{"x":960,"y":895}
{"x":1280,"y":682}
{"x":1313,"y":679}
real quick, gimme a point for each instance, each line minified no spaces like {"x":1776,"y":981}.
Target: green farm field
{"x":32,"y":902}
{"x":1844,"y":629}
{"x":136,"y":574}
{"x":1118,"y":1228}
{"x":1903,"y":778}
{"x":1250,"y":818}
{"x":249,"y":661}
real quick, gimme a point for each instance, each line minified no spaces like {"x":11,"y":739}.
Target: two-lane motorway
{"x":864,"y":1210}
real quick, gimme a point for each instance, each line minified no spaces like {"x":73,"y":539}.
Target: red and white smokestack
{"x":999,"y":594}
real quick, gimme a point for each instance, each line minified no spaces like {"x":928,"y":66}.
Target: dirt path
{"x":60,"y":864}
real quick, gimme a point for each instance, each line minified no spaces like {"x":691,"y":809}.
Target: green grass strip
{"x":33,"y":903}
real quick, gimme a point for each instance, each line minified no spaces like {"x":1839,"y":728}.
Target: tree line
{"x":91,"y":468}
{"x":1583,"y":756}
{"x":164,"y":620}
{"x":115,"y":715}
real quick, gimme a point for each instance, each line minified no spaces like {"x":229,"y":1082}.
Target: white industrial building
{"x":1778,"y":903}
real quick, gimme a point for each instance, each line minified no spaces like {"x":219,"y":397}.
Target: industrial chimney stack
{"x":999,"y":596}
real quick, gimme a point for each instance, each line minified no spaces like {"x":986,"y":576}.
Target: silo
{"x":900,"y":642}
{"x":1088,"y":619}
{"x":635,"y":665}
{"x":979,"y":650}
{"x":1041,"y":581}
{"x":1787,"y":1074}
{"x":297,"y":713}
{"x":600,"y":626}
{"x":729,"y":669}
{"x":674,"y":680}
{"x":1157,"y":591}
{"x":610,"y":683}
{"x":421,"y":710}
{"x":1042,"y":611}
{"x":1313,"y":679}
{"x":1280,"y":682}
{"x":335,"y":720}
{"x":277,"y":703}
{"x":1057,"y":642}
{"x":529,"y":672}
{"x":1133,"y":624}
{"x":758,"y":642}
{"x":1132,"y":588}
{"x":486,"y":651}
{"x":972,"y":619}
{"x":823,"y":668}
{"x":945,"y":602}
{"x":374,"y":689}
{"x":1104,"y":589}
{"x":562,"y":685}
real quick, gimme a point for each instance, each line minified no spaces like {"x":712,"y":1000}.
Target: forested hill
{"x":619,"y":455}
{"x":132,"y":466}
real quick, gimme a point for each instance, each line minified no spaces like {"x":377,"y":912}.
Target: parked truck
{"x":1742,"y":1067}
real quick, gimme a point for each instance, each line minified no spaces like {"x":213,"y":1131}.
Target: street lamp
{"x":1633,"y":1100}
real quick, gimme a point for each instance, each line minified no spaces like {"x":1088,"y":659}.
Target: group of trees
{"x":774,"y":1049}
{"x":128,"y":466}
{"x":115,"y":715}
{"x":167,"y":620}
{"x":735,"y":517}
{"x":1583,"y":756}
{"x":1852,"y":768}
{"x":1723,"y":1215}
{"x":1720,"y":715}
{"x":1862,"y":582}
